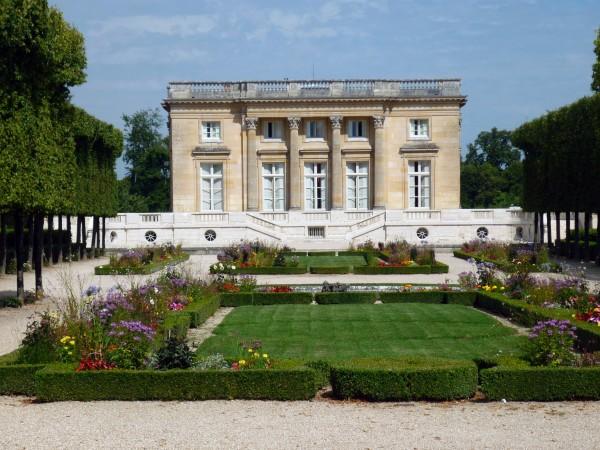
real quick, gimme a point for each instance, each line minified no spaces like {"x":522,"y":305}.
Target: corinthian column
{"x":379,"y":171}
{"x":252,"y":180}
{"x":337,"y":195}
{"x":294,"y":164}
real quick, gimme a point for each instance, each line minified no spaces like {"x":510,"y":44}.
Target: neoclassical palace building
{"x":316,"y":165}
{"x":352,"y":145}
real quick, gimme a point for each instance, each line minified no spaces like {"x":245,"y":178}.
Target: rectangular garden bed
{"x":139,"y":270}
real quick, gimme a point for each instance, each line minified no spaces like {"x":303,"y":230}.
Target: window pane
{"x":217,"y":169}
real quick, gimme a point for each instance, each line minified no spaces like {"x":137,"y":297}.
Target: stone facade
{"x":240,"y":127}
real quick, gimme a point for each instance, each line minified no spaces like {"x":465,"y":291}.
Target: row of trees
{"x":55,"y":159}
{"x":562,"y":163}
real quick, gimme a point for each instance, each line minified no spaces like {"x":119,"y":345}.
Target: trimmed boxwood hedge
{"x":588,"y":335}
{"x":18,"y":379}
{"x":236,"y":299}
{"x":332,"y":298}
{"x":391,"y":270}
{"x":540,"y":383}
{"x":274,"y":270}
{"x":330,"y":270}
{"x":201,"y":309}
{"x":141,"y":270}
{"x":467,"y":298}
{"x":59,"y":382}
{"x":278,"y":298}
{"x":439,"y":267}
{"x":404,"y":379}
{"x":413,"y":297}
{"x":331,"y":253}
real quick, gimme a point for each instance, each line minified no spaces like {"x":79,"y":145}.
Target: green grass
{"x":337,"y":332}
{"x":332,"y":261}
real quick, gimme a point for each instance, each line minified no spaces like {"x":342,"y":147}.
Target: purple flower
{"x":104,"y":308}
{"x":135,"y":327}
{"x":91,"y":290}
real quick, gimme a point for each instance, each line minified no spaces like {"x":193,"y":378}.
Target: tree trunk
{"x":93,"y":244}
{"x":51,"y":239}
{"x":78,"y":241}
{"x":29,"y":243}
{"x":19,"y":254}
{"x":38,"y":246}
{"x":541,"y":228}
{"x":70,"y":240}
{"x":586,"y":236}
{"x":568,"y":252}
{"x":535,"y":227}
{"x":83,"y":239}
{"x":577,"y":252}
{"x":3,"y":249}
{"x":60,"y":243}
{"x":557,"y":221}
{"x":549,"y":223}
{"x":104,"y":235}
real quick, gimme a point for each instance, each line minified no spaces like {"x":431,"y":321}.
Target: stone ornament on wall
{"x":336,"y":121}
{"x":250,"y":123}
{"x":294,"y":122}
{"x":378,"y":121}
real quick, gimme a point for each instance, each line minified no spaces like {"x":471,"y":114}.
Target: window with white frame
{"x":315,"y":185}
{"x":211,"y":131}
{"x":211,"y":187}
{"x":357,"y":185}
{"x":419,"y":128}
{"x":419,"y":184}
{"x":357,"y":129}
{"x":315,"y":129}
{"x":273,"y":129}
{"x":273,"y":187}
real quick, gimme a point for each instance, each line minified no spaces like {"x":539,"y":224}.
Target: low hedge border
{"x":391,"y":270}
{"x":413,"y":297}
{"x":334,"y":298}
{"x":142,"y":270}
{"x":274,"y":270}
{"x":59,"y":382}
{"x":588,"y":335}
{"x":541,"y":384}
{"x":503,"y":267}
{"x":331,"y":270}
{"x":201,"y":309}
{"x":18,"y":379}
{"x":404,"y":379}
{"x":265,"y":298}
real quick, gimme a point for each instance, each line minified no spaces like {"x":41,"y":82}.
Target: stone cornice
{"x":210,"y":150}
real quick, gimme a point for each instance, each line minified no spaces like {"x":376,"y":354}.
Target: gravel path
{"x":317,"y":424}
{"x":197,"y":336}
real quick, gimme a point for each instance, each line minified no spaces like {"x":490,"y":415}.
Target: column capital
{"x":336,"y":121}
{"x":250,"y":123}
{"x":378,"y":121}
{"x":294,"y":122}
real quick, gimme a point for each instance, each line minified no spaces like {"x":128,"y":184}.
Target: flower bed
{"x":143,"y":261}
{"x":404,"y":379}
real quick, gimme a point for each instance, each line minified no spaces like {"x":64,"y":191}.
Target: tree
{"x":491,"y":173}
{"x":596,"y":66}
{"x":147,"y":184}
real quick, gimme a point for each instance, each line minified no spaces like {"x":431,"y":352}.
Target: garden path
{"x":197,"y":336}
{"x":302,"y":424}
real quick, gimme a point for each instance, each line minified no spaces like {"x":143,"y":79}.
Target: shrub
{"x":40,"y":342}
{"x":334,"y":287}
{"x":330,"y":270}
{"x":18,"y":379}
{"x":10,"y":302}
{"x":212,"y":362}
{"x":174,"y":354}
{"x":276,"y":298}
{"x":235,"y":300}
{"x":541,"y":383}
{"x":404,"y":379}
{"x":61,"y":383}
{"x":460,"y":298}
{"x":202,"y":307}
{"x":130,"y":343}
{"x":389,"y":270}
{"x":279,"y":260}
{"x":329,"y":298}
{"x":412,"y":297}
{"x":551,"y":343}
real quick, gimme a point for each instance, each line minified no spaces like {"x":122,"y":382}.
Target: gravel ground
{"x":317,"y":424}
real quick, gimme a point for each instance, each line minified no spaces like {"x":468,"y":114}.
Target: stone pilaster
{"x":295,"y":186}
{"x":379,"y":161}
{"x":252,"y":180}
{"x":337,"y":194}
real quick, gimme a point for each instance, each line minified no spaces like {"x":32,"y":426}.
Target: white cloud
{"x":179,"y":26}
{"x":148,"y":55}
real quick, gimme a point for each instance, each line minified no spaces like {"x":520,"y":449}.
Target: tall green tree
{"x":146,"y":188}
{"x":596,"y":66}
{"x":491,"y":172}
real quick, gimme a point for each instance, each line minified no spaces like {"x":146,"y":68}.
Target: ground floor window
{"x":357,"y":185}
{"x":315,"y":185}
{"x":273,"y":187}
{"x":211,"y":186}
{"x":419,"y":184}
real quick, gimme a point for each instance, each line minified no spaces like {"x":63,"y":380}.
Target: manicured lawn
{"x":332,"y":261}
{"x":354,"y":331}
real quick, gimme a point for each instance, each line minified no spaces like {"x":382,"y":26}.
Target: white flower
{"x":152,"y":301}
{"x":232,"y":267}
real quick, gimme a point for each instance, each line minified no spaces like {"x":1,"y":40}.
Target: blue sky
{"x":517,"y":58}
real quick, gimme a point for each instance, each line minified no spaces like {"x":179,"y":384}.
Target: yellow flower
{"x":66,"y":348}
{"x":256,"y":355}
{"x":494,"y":287}
{"x":502,"y":288}
{"x":70,"y":353}
{"x":72,"y":342}
{"x":265,"y":355}
{"x":242,"y":362}
{"x":250,"y":350}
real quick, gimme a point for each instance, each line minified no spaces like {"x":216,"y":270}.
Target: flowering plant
{"x":66,"y":349}
{"x":551,"y":343}
{"x":468,"y":280}
{"x":282,"y":288}
{"x":130,"y":344}
{"x":252,"y":357}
